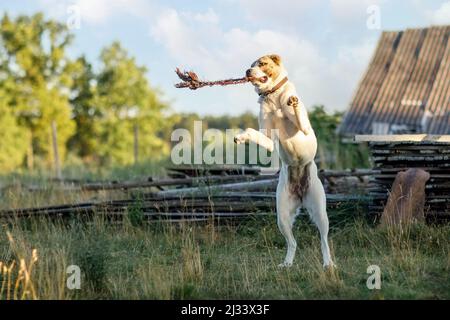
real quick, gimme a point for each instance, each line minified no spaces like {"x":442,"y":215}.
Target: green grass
{"x":41,"y":174}
{"x":15,"y":193}
{"x":137,"y":260}
{"x":195,"y":261}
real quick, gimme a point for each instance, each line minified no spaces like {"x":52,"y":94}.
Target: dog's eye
{"x":262,"y":64}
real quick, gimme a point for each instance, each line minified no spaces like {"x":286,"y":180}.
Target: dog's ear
{"x":275,"y":58}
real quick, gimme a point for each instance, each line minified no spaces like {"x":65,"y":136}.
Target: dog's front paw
{"x":285,"y":265}
{"x":293,"y":101}
{"x":240,"y":138}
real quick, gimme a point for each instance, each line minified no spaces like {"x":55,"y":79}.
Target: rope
{"x":190,"y":80}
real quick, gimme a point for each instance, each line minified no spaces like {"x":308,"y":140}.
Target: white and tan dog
{"x":299,"y":184}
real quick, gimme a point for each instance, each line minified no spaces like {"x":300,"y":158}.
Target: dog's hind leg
{"x":287,"y":205}
{"x":315,"y":203}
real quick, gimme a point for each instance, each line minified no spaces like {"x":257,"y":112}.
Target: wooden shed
{"x":406,"y":87}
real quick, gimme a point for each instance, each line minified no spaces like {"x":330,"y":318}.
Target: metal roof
{"x":406,"y":87}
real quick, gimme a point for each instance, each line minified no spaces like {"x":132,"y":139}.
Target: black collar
{"x":277,"y":86}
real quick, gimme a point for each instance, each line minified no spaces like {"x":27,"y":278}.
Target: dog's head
{"x":265,"y":71}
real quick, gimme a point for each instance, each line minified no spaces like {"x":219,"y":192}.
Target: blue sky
{"x":325,"y":44}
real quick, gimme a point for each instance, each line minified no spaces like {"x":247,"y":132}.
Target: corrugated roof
{"x":406,"y":86}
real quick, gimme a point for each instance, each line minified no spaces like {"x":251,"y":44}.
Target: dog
{"x":296,"y":143}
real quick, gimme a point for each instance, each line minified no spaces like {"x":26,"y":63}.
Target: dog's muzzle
{"x":253,"y":79}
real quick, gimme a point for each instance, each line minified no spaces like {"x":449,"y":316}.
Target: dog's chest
{"x":271,"y":109}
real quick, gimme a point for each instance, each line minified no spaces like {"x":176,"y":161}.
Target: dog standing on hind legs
{"x":282,"y":113}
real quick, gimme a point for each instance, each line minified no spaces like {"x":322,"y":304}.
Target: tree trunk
{"x":136,"y":143}
{"x":30,"y":155}
{"x":55,"y":151}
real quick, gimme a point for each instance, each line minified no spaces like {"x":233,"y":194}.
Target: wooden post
{"x":136,"y":143}
{"x":55,"y":151}
{"x":406,"y":200}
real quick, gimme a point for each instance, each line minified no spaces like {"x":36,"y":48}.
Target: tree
{"x":14,"y":140}
{"x":85,"y":111}
{"x":35,"y":73}
{"x":332,"y":152}
{"x":243,"y":121}
{"x":125,"y":101}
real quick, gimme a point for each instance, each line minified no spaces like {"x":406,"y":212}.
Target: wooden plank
{"x":404,"y":62}
{"x":403,"y":138}
{"x":171,"y":182}
{"x":412,"y":158}
{"x":200,"y":202}
{"x":367,"y":90}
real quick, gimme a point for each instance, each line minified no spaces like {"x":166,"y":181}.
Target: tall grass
{"x":188,"y":260}
{"x":138,"y":260}
{"x":16,"y":276}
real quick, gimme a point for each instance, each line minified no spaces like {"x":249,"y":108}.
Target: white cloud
{"x":325,"y":71}
{"x":441,"y":15}
{"x":98,"y":11}
{"x":351,"y":13}
{"x":184,"y":41}
{"x":346,"y":70}
{"x":209,"y":16}
{"x":268,"y":11}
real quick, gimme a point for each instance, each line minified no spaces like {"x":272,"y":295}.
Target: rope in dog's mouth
{"x":190,"y":80}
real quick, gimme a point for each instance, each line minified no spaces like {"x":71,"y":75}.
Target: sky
{"x":324,"y":44}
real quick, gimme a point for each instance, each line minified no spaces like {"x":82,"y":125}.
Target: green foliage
{"x":91,"y":255}
{"x":14,"y":140}
{"x":221,"y":123}
{"x":96,"y":114}
{"x":332,"y":153}
{"x":243,"y":121}
{"x":85,"y":112}
{"x":135,"y":212}
{"x":125,"y":100}
{"x":35,"y":74}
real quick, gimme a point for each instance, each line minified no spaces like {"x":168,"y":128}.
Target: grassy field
{"x":133,"y":260}
{"x":192,"y":261}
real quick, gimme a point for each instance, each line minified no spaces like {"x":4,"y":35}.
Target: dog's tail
{"x":299,"y":179}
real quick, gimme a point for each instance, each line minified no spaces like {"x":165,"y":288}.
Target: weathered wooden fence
{"x":232,"y":196}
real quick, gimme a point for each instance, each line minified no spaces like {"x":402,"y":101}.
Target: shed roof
{"x":405,"y":87}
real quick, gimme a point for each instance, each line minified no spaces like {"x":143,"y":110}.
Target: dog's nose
{"x":248,"y":73}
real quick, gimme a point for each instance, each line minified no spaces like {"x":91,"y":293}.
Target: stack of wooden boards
{"x":231,"y":193}
{"x":394,"y":153}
